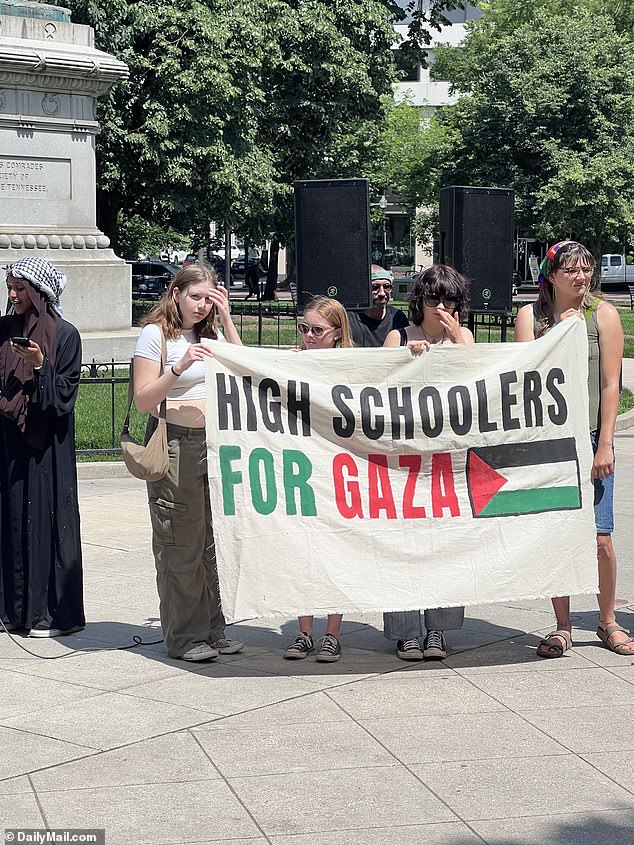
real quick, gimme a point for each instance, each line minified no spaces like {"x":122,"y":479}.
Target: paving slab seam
{"x":29,"y":732}
{"x":406,"y":766}
{"x":89,"y":544}
{"x":609,"y":777}
{"x":75,"y":788}
{"x":100,"y":751}
{"x":230,"y":787}
{"x":611,"y":670}
{"x":581,"y":813}
{"x":38,"y":802}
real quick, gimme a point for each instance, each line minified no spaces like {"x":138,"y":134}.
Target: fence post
{"x":259,"y":322}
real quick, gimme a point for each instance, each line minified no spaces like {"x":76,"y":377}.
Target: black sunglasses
{"x":434,"y":301}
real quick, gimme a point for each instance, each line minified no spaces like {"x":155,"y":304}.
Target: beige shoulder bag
{"x":149,"y":462}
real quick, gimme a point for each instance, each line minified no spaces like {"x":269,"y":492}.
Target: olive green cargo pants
{"x":183,"y":545}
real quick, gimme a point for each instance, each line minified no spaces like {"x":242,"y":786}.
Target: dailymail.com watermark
{"x":40,"y":836}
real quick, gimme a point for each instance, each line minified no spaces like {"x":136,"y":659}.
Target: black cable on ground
{"x":136,"y":641}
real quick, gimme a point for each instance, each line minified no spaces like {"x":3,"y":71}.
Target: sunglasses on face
{"x":434,"y":301}
{"x":387,"y":287}
{"x":317,"y":331}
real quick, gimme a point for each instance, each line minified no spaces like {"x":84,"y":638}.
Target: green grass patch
{"x":626,"y":402}
{"x":627,"y":321}
{"x":276,"y":331}
{"x":93,"y":414}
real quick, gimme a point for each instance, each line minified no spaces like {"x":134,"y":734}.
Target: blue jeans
{"x":408,"y":624}
{"x":603,"y":496}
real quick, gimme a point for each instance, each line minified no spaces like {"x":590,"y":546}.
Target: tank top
{"x":594,"y":372}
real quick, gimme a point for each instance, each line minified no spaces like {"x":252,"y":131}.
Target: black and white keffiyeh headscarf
{"x":43,"y":276}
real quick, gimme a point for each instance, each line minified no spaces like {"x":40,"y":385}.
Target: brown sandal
{"x":605,"y":635}
{"x":549,"y":647}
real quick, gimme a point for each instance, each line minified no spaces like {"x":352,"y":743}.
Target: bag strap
{"x":163,"y":405}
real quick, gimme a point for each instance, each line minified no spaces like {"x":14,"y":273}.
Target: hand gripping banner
{"x":357,"y":480}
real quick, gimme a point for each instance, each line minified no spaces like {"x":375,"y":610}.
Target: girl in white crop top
{"x":182,"y":533}
{"x":187,"y":316}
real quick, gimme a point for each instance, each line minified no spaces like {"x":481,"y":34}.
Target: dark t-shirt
{"x":369,"y":332}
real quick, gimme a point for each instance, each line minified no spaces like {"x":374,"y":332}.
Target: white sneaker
{"x":54,"y":632}
{"x":202,"y":651}
{"x":227,"y":646}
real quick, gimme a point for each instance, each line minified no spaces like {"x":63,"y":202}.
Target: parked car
{"x":238,"y":265}
{"x":190,"y":258}
{"x":150,"y":278}
{"x":616,"y":273}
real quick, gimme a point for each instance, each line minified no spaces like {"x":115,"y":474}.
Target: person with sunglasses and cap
{"x":324,"y":326}
{"x":41,"y":589}
{"x":438,"y":302}
{"x":565,"y":292}
{"x":369,"y":328}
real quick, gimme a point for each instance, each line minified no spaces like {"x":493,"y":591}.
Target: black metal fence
{"x":491,"y":327}
{"x":102,"y":400}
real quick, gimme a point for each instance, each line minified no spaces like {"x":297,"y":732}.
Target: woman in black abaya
{"x":40,"y":550}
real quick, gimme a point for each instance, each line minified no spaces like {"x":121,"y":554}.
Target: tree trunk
{"x":271,"y":275}
{"x":290,"y":262}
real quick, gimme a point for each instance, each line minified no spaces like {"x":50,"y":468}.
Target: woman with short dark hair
{"x":438,"y":302}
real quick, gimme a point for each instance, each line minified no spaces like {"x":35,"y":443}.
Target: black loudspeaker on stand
{"x":476,"y":237}
{"x":332,"y":241}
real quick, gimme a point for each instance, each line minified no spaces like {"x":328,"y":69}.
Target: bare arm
{"x":150,"y":389}
{"x":466,"y":335}
{"x":611,"y":353}
{"x":524,"y":324}
{"x":393,"y":338}
{"x":221,"y":300}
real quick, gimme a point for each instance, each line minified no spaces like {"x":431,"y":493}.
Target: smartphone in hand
{"x":20,"y":341}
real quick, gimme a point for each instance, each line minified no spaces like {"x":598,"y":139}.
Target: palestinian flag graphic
{"x":522,"y":478}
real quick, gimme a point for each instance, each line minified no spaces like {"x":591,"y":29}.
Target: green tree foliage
{"x":406,"y":150}
{"x":229,"y":103}
{"x":547,"y":109}
{"x":178,"y":140}
{"x":138,"y":237}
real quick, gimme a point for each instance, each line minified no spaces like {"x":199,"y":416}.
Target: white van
{"x":615,"y":272}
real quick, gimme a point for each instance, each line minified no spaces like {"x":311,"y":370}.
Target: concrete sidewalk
{"x":491,"y":745}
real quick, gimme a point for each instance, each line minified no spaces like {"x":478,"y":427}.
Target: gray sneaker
{"x":434,"y":646}
{"x":202,"y":651}
{"x":227,"y":646}
{"x":301,"y":646}
{"x":409,"y":649}
{"x":330,"y":650}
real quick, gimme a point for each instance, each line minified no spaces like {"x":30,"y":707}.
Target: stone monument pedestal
{"x":50,"y":78}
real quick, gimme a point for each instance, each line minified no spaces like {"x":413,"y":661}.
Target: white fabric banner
{"x":354,"y":480}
